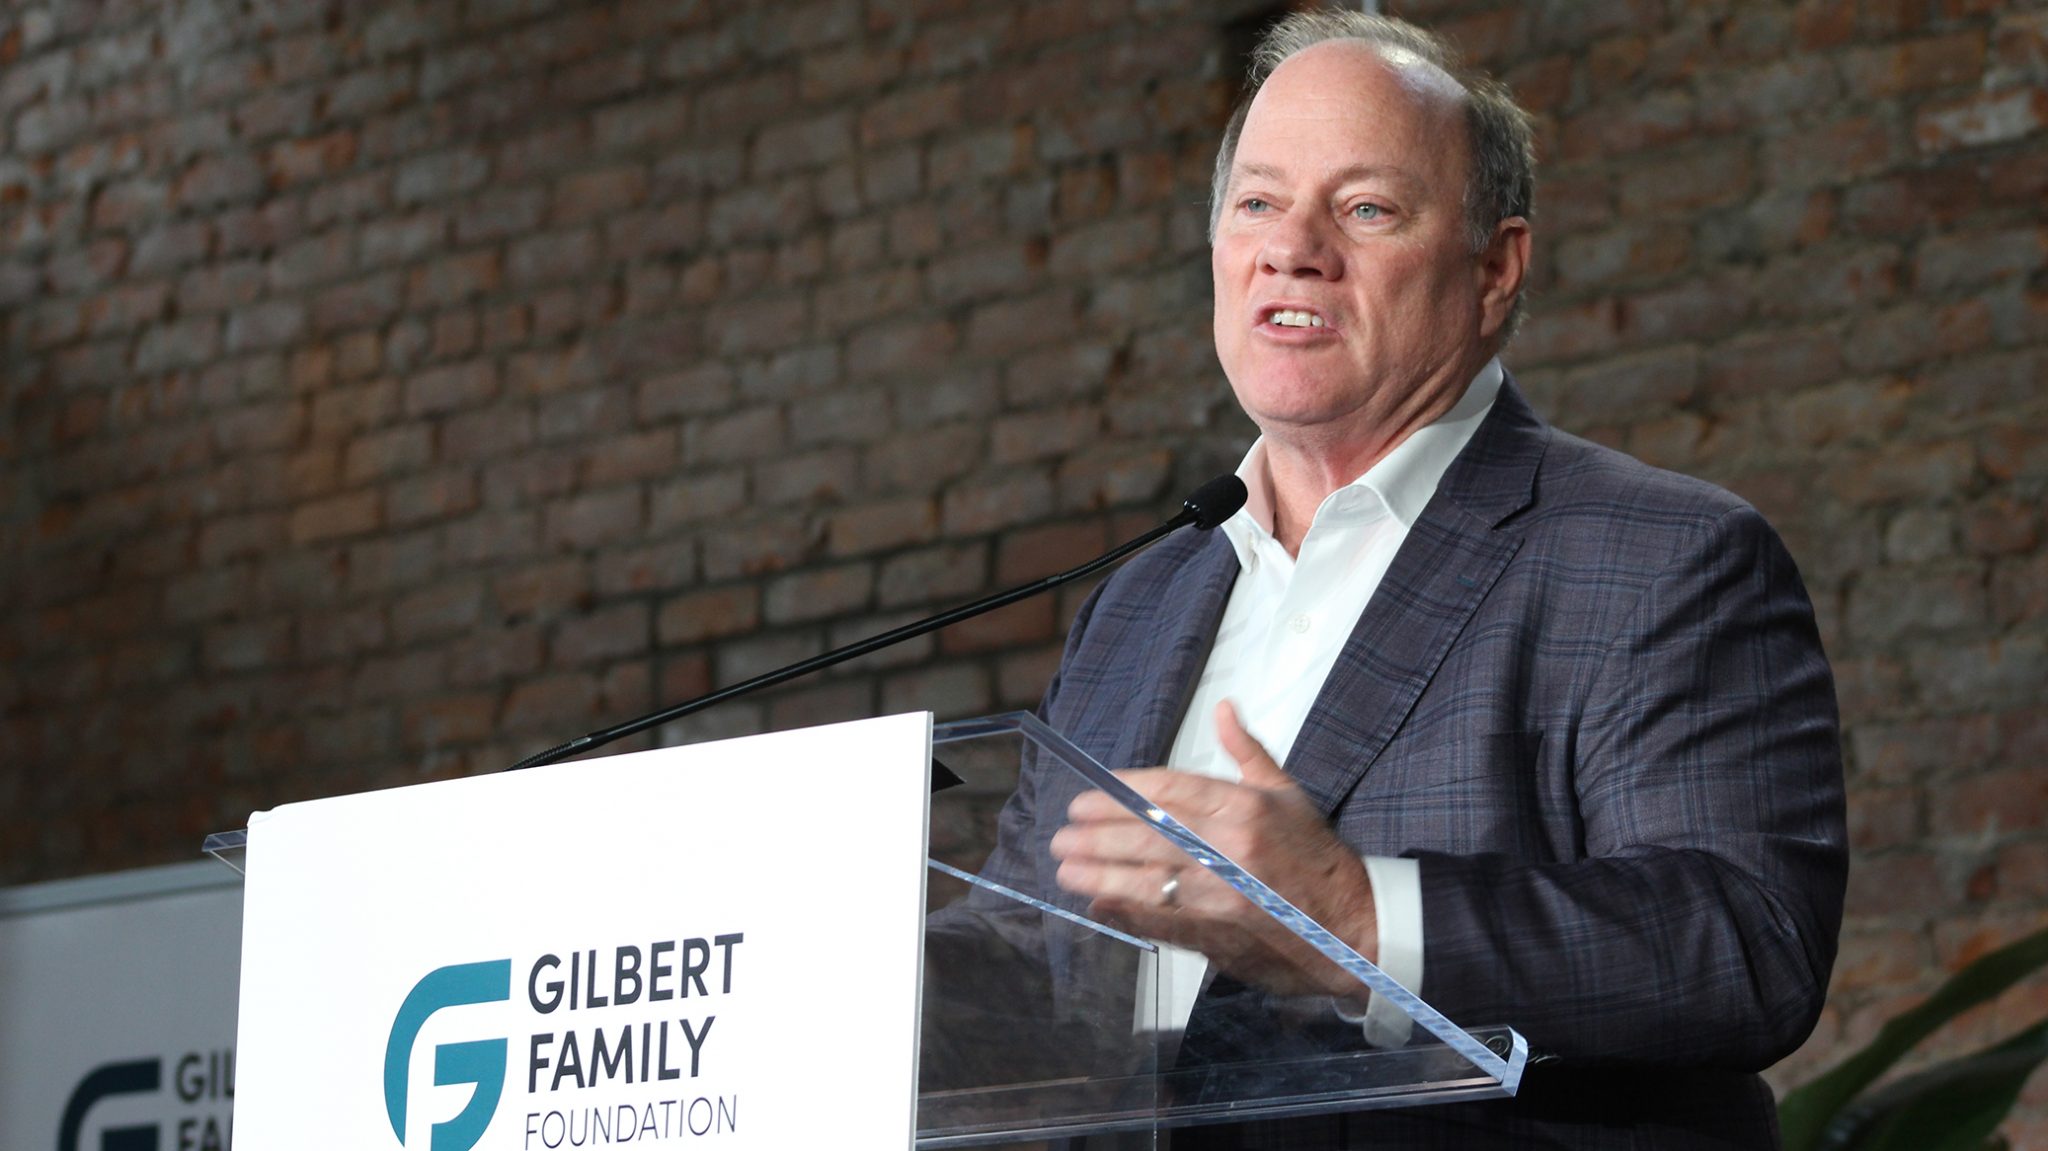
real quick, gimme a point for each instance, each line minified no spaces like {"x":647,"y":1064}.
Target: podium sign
{"x":596,"y":954}
{"x":117,"y":1010}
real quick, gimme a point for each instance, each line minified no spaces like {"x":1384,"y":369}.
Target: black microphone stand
{"x":1211,"y":504}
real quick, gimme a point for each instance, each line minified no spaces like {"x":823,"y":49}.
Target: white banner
{"x":714,"y":945}
{"x":117,"y":1010}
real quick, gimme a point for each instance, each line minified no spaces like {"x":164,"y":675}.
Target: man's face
{"x":1347,"y":295}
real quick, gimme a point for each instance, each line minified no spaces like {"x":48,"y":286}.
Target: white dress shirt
{"x":1287,"y":620}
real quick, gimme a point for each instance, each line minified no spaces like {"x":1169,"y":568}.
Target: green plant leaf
{"x":1805,"y":1112}
{"x":1954,"y":1106}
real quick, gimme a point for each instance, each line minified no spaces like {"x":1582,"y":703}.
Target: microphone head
{"x":1216,"y":501}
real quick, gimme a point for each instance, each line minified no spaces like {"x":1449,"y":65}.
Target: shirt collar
{"x":1404,"y":479}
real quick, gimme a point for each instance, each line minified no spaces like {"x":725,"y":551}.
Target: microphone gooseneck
{"x":1207,"y":506}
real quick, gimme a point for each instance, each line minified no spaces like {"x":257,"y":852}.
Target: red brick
{"x":594,"y":520}
{"x":345,"y":515}
{"x":796,"y":144}
{"x":1021,"y":677}
{"x":711,"y":614}
{"x":1986,"y":385}
{"x":953,"y":691}
{"x":841,"y":417}
{"x":821,"y":476}
{"x":554,"y":702}
{"x":1947,"y":262}
{"x":2002,"y":525}
{"x":387,"y":452}
{"x":437,"y":611}
{"x":440,"y":390}
{"x":641,"y":455}
{"x":910,"y":113}
{"x":831,"y":702}
{"x":1011,"y":325}
{"x":655,"y":567}
{"x":743,"y":659}
{"x":747,"y":434}
{"x":457,"y":719}
{"x":551,"y":258}
{"x":2006,"y":671}
{"x":176,"y":344}
{"x":1871,"y":959}
{"x":1887,"y":606}
{"x":858,"y":68}
{"x":1829,"y":281}
{"x":1984,"y":119}
{"x":314,"y":260}
{"x":1685,"y":184}
{"x":590,"y":195}
{"x":2023,"y":870}
{"x":1909,"y":472}
{"x":1661,"y":118}
{"x":757,"y":547}
{"x":1111,"y":477}
{"x":606,"y":634}
{"x":251,"y":646}
{"x":991,"y":505}
{"x":792,"y":374}
{"x":2019,"y":590}
{"x":881,"y":527}
{"x":1992,"y":803}
{"x":1903,"y":884}
{"x":357,"y":304}
{"x":1914,"y":65}
{"x":1027,"y":622}
{"x":818,"y":593}
{"x":417,"y":499}
{"x":494,"y":655}
{"x":310,"y":158}
{"x":695,"y":499}
{"x":453,"y":279}
{"x":439,"y":176}
{"x":267,"y":325}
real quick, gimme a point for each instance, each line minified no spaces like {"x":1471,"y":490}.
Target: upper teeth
{"x":1289,"y":319}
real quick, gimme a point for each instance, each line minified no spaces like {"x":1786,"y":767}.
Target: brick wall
{"x":393,"y":390}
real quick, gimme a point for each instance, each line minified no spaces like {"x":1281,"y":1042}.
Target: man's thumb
{"x":1258,"y":767}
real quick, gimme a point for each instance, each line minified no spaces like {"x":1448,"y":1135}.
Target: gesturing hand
{"x":1267,"y":825}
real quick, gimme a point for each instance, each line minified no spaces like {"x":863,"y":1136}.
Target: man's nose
{"x":1300,"y":244}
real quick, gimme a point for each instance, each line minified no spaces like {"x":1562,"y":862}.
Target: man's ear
{"x":1500,"y":270}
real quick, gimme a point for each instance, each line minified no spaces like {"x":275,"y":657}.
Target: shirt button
{"x":1299,"y":623}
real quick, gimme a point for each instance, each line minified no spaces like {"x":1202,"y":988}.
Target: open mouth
{"x":1294,"y":318}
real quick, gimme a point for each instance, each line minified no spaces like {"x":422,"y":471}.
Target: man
{"x":1559,"y":742}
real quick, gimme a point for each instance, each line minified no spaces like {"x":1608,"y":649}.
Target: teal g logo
{"x":481,"y":1061}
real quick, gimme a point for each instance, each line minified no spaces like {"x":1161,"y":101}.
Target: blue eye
{"x":1254,"y":204}
{"x":1368,"y":211}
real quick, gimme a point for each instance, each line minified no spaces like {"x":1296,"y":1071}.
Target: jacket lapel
{"x":1450,"y":560}
{"x":1173,"y":658}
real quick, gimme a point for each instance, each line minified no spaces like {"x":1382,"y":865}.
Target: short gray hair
{"x":1502,"y":181}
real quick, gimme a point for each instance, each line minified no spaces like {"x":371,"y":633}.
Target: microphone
{"x":1207,"y":506}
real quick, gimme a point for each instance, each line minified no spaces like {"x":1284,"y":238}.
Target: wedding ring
{"x":1169,"y":892}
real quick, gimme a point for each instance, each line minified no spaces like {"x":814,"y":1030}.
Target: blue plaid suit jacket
{"x":1590,"y":698}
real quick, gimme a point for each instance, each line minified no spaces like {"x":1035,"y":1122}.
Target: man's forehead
{"x":1398,"y":105}
{"x":1429,"y":88}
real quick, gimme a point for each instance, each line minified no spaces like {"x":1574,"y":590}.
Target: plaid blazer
{"x":1590,"y":698}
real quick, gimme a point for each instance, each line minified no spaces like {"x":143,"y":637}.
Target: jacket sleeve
{"x":1698,"y":923}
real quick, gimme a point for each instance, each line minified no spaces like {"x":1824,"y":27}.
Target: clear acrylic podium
{"x":1036,"y":1023}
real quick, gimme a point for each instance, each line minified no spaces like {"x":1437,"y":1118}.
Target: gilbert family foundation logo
{"x":479,"y":1061}
{"x":192,"y":1112}
{"x":626,"y":1031}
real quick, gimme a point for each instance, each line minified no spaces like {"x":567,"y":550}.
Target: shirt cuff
{"x":1397,"y":904}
